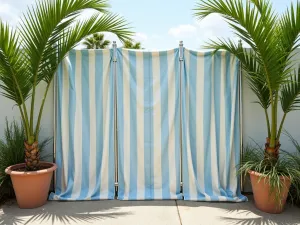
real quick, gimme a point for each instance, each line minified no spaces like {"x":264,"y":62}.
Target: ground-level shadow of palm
{"x":61,"y":212}
{"x":243,"y":213}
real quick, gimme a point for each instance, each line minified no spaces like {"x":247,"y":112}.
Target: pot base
{"x":31,"y":187}
{"x":265,"y":201}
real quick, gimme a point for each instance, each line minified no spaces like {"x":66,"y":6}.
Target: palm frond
{"x":14,"y":78}
{"x":254,"y":27}
{"x":251,"y":67}
{"x":82,"y":29}
{"x":290,"y":21}
{"x":290,"y":94}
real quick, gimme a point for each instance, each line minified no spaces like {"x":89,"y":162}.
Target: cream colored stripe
{"x":172,"y":110}
{"x":233,"y":177}
{"x":199,"y":123}
{"x":140,"y":124}
{"x":192,"y":178}
{"x":157,"y":175}
{"x":78,"y":129}
{"x":92,"y":103}
{"x":106,"y":125}
{"x":126,"y":108}
{"x":213,"y":141}
{"x":65,"y":123}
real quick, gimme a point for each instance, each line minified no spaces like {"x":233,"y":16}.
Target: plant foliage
{"x":253,"y":159}
{"x":31,"y":53}
{"x":132,"y":45}
{"x":295,"y":189}
{"x":96,"y":41}
{"x":11,"y":153}
{"x":268,"y":65}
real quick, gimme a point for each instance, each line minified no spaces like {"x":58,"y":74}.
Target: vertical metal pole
{"x":115,"y":115}
{"x":241,"y":112}
{"x":180,"y":105}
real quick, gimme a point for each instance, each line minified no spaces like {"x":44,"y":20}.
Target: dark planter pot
{"x":265,"y":201}
{"x":31,"y":187}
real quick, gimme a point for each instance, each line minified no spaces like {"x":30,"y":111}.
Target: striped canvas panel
{"x":211,"y":132}
{"x":85,"y":134}
{"x":148,"y":124}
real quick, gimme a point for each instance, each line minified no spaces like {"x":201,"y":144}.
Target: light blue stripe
{"x":147,"y":123}
{"x":133,"y":126}
{"x":120,"y":114}
{"x":163,"y":57}
{"x":177,"y":122}
{"x":99,"y":73}
{"x":206,"y":123}
{"x":58,"y":155}
{"x":237,"y":134}
{"x":185,"y":174}
{"x":185,"y":171}
{"x":151,"y":152}
{"x":111,"y":156}
{"x":228,"y":119}
{"x":192,"y":81}
{"x":85,"y":135}
{"x":217,"y":103}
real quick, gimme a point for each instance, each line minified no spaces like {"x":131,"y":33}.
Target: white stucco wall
{"x":254,"y":125}
{"x":10,"y":111}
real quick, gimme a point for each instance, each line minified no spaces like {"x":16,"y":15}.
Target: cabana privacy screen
{"x":147,"y":122}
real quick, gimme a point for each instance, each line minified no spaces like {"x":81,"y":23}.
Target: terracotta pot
{"x":265,"y":201}
{"x":31,"y":187}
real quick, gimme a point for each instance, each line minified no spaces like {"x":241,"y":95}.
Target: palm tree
{"x":31,"y":53}
{"x":131,"y":45}
{"x":269,"y":71}
{"x":273,"y":39}
{"x":96,"y":41}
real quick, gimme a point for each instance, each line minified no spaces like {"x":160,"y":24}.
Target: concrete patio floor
{"x":145,"y":212}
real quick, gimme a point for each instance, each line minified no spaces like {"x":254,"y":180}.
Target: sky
{"x":159,"y":24}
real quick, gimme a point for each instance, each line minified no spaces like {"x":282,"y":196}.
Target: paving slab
{"x":93,"y":212}
{"x":145,"y":213}
{"x":205,"y":213}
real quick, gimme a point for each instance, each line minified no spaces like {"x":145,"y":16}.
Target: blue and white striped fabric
{"x":148,"y":124}
{"x":211,"y":133}
{"x":85,"y":127}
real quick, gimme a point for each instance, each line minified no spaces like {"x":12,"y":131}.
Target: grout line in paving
{"x":178,"y":212}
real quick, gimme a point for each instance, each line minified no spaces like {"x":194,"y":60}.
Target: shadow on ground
{"x":60,"y":212}
{"x":79,"y":212}
{"x":236,"y":214}
{"x":146,"y":212}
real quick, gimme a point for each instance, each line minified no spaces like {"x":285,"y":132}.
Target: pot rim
{"x":251,"y":172}
{"x":10,"y":170}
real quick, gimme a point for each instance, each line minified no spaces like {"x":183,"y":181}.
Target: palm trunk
{"x":272,"y":152}
{"x":32,"y":156}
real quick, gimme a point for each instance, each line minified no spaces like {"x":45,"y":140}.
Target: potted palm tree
{"x":30,"y":55}
{"x":269,"y":72}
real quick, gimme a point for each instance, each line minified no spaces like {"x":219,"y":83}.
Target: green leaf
{"x":290,"y":94}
